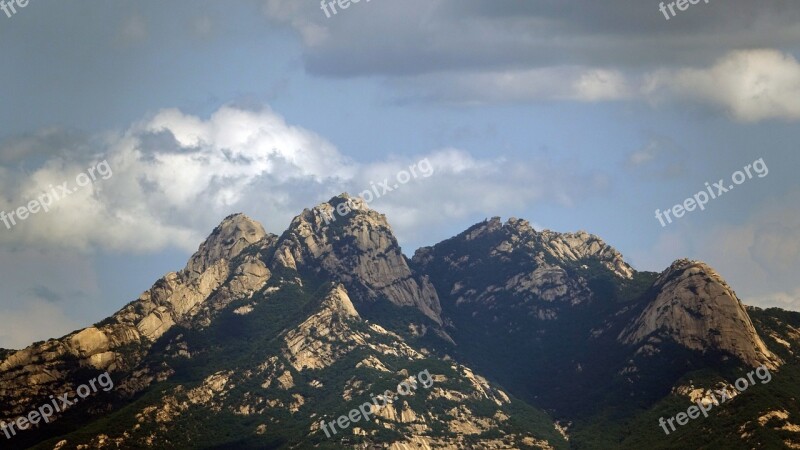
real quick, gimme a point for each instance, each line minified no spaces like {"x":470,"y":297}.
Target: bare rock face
{"x":208,"y":282}
{"x":696,"y":308}
{"x":551,"y":284}
{"x":325,"y":336}
{"x":534,"y":269}
{"x":358,"y":249}
{"x":233,"y":235}
{"x":581,"y":245}
{"x":519,"y":235}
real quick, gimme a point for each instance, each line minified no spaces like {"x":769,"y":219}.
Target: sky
{"x":572,"y":115}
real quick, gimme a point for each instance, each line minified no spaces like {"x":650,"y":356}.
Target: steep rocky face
{"x":582,"y":246}
{"x":233,"y":235}
{"x":697,"y":309}
{"x":541,"y":271}
{"x":571,"y":300}
{"x":508,"y":290}
{"x":208,"y":283}
{"x":317,"y":361}
{"x":517,"y":235}
{"x":358,"y":249}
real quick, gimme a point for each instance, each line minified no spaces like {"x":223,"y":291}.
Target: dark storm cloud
{"x":423,"y":36}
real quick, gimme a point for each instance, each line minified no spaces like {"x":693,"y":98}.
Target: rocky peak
{"x":696,"y":308}
{"x":518,"y":235}
{"x":205,"y":286}
{"x":582,"y":245}
{"x":338,"y":302}
{"x":482,"y":229}
{"x":355,"y":246}
{"x":495,"y":226}
{"x":229,"y":238}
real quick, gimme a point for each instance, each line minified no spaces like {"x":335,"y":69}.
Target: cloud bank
{"x":175,"y":176}
{"x":729,"y":57}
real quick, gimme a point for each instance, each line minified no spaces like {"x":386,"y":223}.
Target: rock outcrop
{"x":325,"y":336}
{"x":358,"y":249}
{"x":582,"y":245}
{"x":233,"y":235}
{"x":534,"y":268}
{"x":697,"y":309}
{"x":201,"y":288}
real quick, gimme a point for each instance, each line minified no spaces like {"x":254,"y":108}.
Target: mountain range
{"x":532,"y":339}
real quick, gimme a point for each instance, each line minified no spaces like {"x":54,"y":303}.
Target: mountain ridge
{"x":338,"y":300}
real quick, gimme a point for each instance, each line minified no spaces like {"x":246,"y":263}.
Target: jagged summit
{"x":582,"y":245}
{"x":495,"y":224}
{"x":230,"y":237}
{"x":518,"y":235}
{"x":355,"y":245}
{"x":330,"y":212}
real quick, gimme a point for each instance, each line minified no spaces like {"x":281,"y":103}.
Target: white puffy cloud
{"x":463,"y":188}
{"x":750,"y":85}
{"x":175,"y":176}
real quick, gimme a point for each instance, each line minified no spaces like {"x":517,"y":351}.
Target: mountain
{"x":503,"y":337}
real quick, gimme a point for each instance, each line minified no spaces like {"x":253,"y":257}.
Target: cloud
{"x":786,"y":300}
{"x":644,"y":155}
{"x":660,"y":158}
{"x":579,"y":84}
{"x":35,"y":320}
{"x":295,"y":14}
{"x":33,"y":145}
{"x":463,"y":186}
{"x":164,"y":168}
{"x":758,"y":257}
{"x":175,"y":176}
{"x":750,"y":85}
{"x":46,"y":294}
{"x":468,"y":52}
{"x":418,"y":37}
